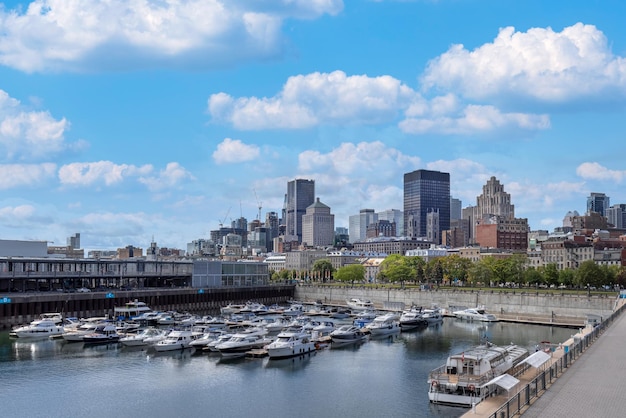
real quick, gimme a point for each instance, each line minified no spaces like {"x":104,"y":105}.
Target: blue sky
{"x":125,"y":120}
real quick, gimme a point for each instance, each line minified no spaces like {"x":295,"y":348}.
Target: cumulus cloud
{"x":595,"y":171}
{"x":26,"y":134}
{"x":100,"y":172}
{"x":317,"y":98}
{"x":171,"y":176}
{"x":19,"y":213}
{"x":234,"y":151}
{"x":25,"y":175}
{"x":539,"y":64}
{"x":78,"y":34}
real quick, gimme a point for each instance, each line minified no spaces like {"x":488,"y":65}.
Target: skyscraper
{"x":426,"y":191}
{"x":494,"y":201}
{"x":598,"y":202}
{"x":300,"y":195}
{"x":318,"y":226}
{"x":358,"y":224}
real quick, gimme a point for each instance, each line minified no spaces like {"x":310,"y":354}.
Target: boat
{"x":239,"y":344}
{"x":412,"y":318}
{"x":103,"y":334}
{"x":55,"y":317}
{"x":475,"y":314}
{"x":346,"y":334}
{"x":209,"y":336}
{"x":175,"y":340}
{"x":130,"y":310}
{"x":321,"y":331}
{"x":39,"y":328}
{"x":145,"y":337}
{"x":290,"y":343}
{"x":88,"y":326}
{"x":360,"y":304}
{"x":432,"y":315}
{"x":464,"y":379}
{"x":231,"y":308}
{"x":384,"y":324}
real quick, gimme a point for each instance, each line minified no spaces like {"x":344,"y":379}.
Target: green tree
{"x":588,"y":274}
{"x":566,"y":277}
{"x":417,"y":264}
{"x":533,"y":277}
{"x":397,"y":268}
{"x":350,"y":273}
{"x":456,"y":267}
{"x":323,"y":268}
{"x":551,"y":274}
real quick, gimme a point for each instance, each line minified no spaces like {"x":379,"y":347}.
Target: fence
{"x":522,"y":399}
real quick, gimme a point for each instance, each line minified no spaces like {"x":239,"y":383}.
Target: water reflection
{"x":289,"y":364}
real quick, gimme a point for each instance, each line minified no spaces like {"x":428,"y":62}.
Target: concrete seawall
{"x":506,"y":304}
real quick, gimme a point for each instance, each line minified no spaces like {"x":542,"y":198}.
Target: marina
{"x":338,"y":379}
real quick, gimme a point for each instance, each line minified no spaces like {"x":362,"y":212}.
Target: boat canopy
{"x":505,"y":381}
{"x":537,"y":359}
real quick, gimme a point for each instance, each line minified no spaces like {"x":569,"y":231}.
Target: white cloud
{"x":234,"y":151}
{"x":541,"y":64}
{"x":595,"y":171}
{"x":100,"y":172}
{"x":473,"y":119}
{"x":27,"y":134}
{"x":77,"y":34}
{"x":16,"y":213}
{"x":25,"y":175}
{"x":171,"y":176}
{"x":317,"y":98}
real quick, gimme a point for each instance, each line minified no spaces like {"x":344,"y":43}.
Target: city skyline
{"x":125,"y":121}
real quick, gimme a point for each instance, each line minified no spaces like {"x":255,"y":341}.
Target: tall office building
{"x":271,"y":224}
{"x":358,"y":224}
{"x":494,"y":201}
{"x":426,"y":192}
{"x":300,"y":195}
{"x":393,"y":215}
{"x":455,"y":209}
{"x":318,"y":226}
{"x":598,"y":202}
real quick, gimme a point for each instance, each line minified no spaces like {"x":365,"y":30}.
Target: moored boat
{"x":384,"y":324}
{"x":40,"y":328}
{"x":290,"y":344}
{"x":347,"y":334}
{"x":131,"y":310}
{"x":475,"y":314}
{"x":464,"y":379}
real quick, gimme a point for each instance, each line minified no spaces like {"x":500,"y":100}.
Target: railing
{"x":516,"y":404}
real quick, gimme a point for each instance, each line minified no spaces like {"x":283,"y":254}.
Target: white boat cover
{"x":537,"y":359}
{"x":505,"y":381}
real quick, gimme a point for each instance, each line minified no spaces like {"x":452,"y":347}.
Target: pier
{"x":581,"y":379}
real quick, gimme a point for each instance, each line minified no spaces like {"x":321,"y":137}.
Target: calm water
{"x":378,"y":378}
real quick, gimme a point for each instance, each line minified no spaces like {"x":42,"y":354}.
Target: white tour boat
{"x":131,"y":310}
{"x":464,"y":379}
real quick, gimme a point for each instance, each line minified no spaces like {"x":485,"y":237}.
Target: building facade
{"x":393,"y":215}
{"x":318,"y":226}
{"x":598,"y":202}
{"x":498,"y":232}
{"x":425,"y":191}
{"x":358,"y":224}
{"x":493,"y":201}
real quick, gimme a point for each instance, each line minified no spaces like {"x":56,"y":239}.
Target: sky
{"x":133,"y":120}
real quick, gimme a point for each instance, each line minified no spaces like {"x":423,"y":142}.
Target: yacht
{"x":239,"y":344}
{"x":103,"y":334}
{"x":39,"y":328}
{"x":289,"y":344}
{"x":464,"y":379}
{"x":360,"y":304}
{"x":412,"y":319}
{"x":384,"y":324}
{"x":475,"y":314}
{"x":87,"y":326}
{"x":209,"y":336}
{"x":432,"y":315}
{"x":131,"y":310}
{"x":175,"y":340}
{"x":346,"y":334}
{"x":139,"y":339}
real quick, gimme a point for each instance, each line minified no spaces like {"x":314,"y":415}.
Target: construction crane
{"x":259,"y":204}
{"x":224,"y":219}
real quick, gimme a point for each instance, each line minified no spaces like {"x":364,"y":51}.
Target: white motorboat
{"x":360,"y":304}
{"x":346,"y":334}
{"x":212,"y":346}
{"x":231,"y":308}
{"x":175,"y":340}
{"x":412,"y":319}
{"x":290,"y":344}
{"x":239,"y":344}
{"x":39,"y":328}
{"x":103,"y":334}
{"x":130,"y":310}
{"x":464,"y":380}
{"x":432,"y":315}
{"x":55,"y":317}
{"x":206,"y":338}
{"x":384,"y":324}
{"x":475,"y":314}
{"x":87,"y":326}
{"x":321,"y":332}
{"x":150,"y":334}
{"x":295,"y":309}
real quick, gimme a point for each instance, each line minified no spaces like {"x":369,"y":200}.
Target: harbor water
{"x":382,"y":377}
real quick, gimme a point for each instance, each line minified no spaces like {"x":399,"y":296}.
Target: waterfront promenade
{"x":591,"y":385}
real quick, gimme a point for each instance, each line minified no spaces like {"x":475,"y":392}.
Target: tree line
{"x":454,"y":270}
